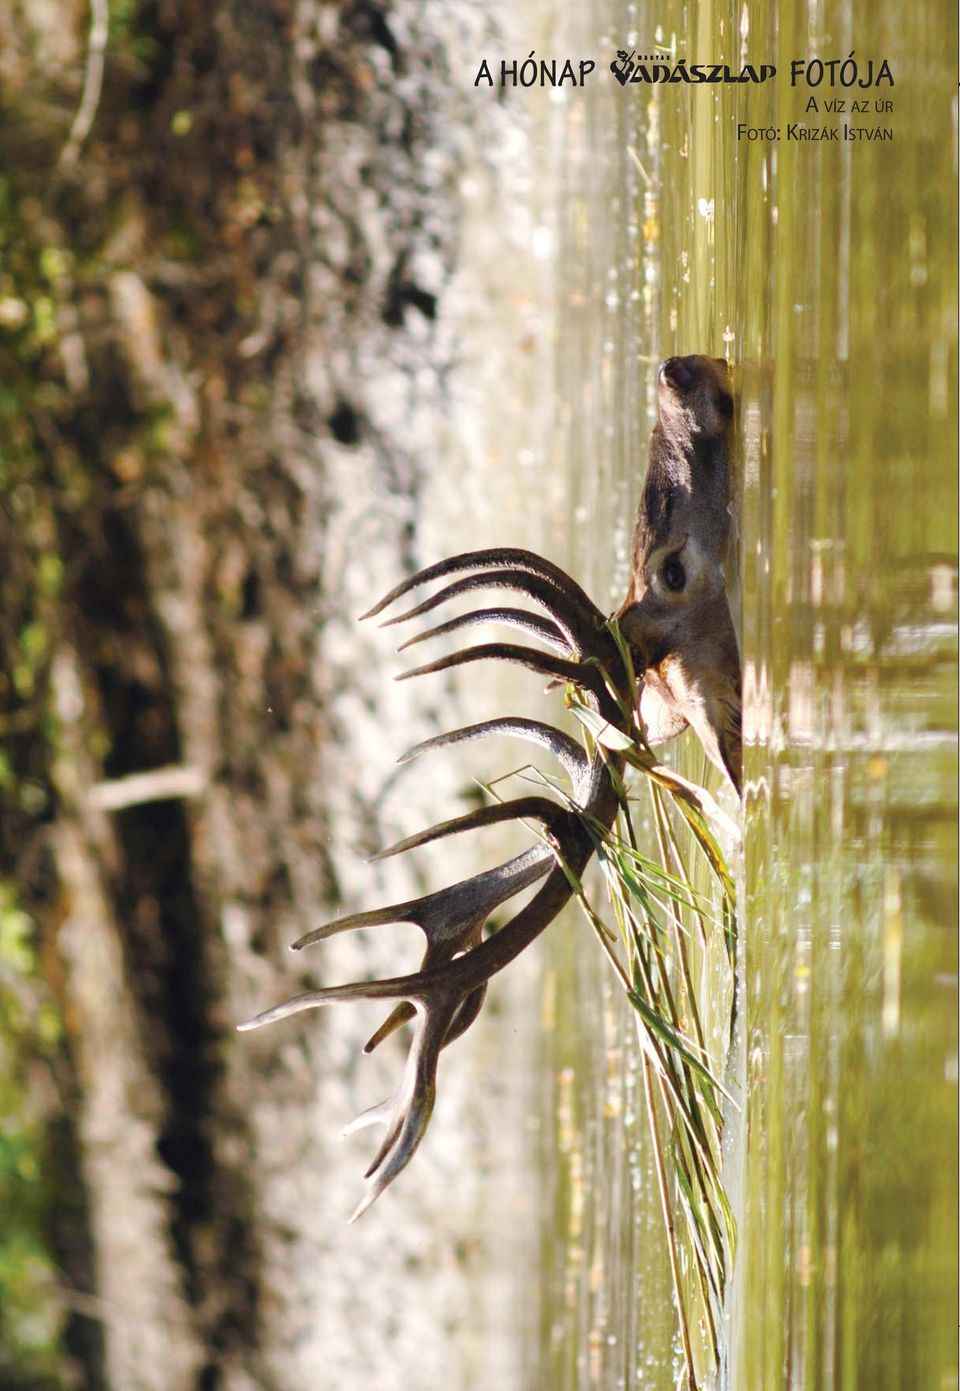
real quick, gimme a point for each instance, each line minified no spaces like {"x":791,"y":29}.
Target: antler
{"x":678,"y":627}
{"x":445,"y":995}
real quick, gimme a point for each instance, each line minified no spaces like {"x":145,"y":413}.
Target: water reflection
{"x":823,"y":274}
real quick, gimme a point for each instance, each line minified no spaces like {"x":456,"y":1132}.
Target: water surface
{"x":825,"y":274}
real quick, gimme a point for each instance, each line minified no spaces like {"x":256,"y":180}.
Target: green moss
{"x":30,"y":1310}
{"x":50,"y":575}
{"x":157,"y":186}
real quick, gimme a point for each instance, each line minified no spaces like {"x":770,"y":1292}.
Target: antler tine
{"x":373,"y":1115}
{"x":578,"y":673}
{"x":575,"y":762}
{"x":413,"y":1108}
{"x":395,"y":988}
{"x":530,"y":623}
{"x":437,"y":914}
{"x":401,"y":1014}
{"x":500,"y":557}
{"x":377,"y":917}
{"x":520,"y":809}
{"x":581,"y":625}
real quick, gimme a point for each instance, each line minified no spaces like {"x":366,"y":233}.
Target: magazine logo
{"x":809,"y":72}
{"x":650,"y":67}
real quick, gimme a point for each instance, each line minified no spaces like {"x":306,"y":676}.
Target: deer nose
{"x":677,"y":372}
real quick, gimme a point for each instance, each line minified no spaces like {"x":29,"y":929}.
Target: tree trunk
{"x":244,"y":422}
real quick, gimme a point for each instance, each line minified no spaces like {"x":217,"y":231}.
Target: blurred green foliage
{"x":31,"y":1310}
{"x":31,"y":1313}
{"x":34,"y":267}
{"x":177,"y":186}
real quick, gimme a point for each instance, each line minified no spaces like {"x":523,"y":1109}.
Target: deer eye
{"x":673,"y":574}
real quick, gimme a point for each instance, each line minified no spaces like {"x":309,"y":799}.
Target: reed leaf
{"x":659,"y":910}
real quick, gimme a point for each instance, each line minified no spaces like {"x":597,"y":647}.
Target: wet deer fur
{"x":677,"y":622}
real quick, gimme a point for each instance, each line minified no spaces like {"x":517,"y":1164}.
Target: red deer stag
{"x":682,"y":646}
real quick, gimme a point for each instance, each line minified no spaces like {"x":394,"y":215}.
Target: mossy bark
{"x":225,"y":358}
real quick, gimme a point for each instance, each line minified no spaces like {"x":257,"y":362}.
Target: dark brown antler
{"x":444,"y":997}
{"x":677,"y":623}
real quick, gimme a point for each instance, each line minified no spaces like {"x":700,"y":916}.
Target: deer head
{"x":676,"y":615}
{"x":682,"y":524}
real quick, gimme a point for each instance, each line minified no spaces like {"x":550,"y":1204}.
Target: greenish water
{"x":825,"y":273}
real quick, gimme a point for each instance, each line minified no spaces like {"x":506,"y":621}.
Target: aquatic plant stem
{"x":668,"y":1223}
{"x":652,"y":903}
